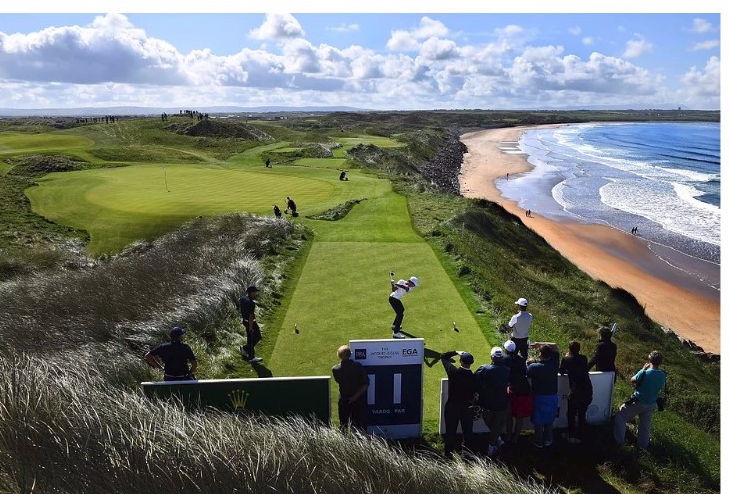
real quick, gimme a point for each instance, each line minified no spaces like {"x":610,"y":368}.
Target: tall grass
{"x":189,"y":277}
{"x":64,"y":429}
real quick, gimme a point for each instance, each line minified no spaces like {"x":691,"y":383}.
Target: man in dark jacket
{"x":604,"y":358}
{"x":353,"y":383}
{"x":253,"y":332}
{"x":459,"y":403}
{"x":581,"y":390}
{"x":175,"y":356}
{"x":492,"y":382}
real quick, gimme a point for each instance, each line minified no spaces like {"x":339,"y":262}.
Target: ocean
{"x":663,"y":178}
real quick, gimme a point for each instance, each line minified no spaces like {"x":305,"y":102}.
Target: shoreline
{"x":619,"y":259}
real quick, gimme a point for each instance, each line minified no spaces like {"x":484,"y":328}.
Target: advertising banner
{"x":276,"y":396}
{"x":395,"y":394}
{"x":599,"y":411}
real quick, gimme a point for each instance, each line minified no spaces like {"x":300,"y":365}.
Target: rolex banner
{"x":278,"y":396}
{"x":395,"y":393}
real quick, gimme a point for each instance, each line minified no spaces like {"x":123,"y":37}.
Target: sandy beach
{"x":617,"y":258}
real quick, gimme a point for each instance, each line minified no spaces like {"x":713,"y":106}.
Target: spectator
{"x":581,"y":390}
{"x":519,"y":392}
{"x":520,"y":325}
{"x":247,"y":306}
{"x":492,"y":381}
{"x":649,"y":382}
{"x":175,"y":356}
{"x":353,"y":383}
{"x":544,"y":376}
{"x":277,"y":211}
{"x":604,"y":357}
{"x":459,"y":403}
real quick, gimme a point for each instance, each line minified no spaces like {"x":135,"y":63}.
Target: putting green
{"x":117,"y":206}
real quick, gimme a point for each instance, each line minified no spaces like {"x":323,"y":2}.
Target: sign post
{"x":395,"y":394}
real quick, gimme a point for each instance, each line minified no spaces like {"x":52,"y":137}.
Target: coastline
{"x":617,"y":258}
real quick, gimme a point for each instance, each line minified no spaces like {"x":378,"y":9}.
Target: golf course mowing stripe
{"x":342,"y":294}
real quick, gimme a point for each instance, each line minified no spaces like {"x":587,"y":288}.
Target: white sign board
{"x":599,"y":411}
{"x":395,"y":394}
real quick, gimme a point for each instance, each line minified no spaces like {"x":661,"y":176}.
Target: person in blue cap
{"x":173,"y":358}
{"x":459,"y":405}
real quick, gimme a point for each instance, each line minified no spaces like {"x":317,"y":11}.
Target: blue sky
{"x":383,"y":61}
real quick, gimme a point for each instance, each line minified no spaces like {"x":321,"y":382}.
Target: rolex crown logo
{"x":238,"y":398}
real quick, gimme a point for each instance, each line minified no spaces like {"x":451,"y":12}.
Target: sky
{"x":374,"y":60}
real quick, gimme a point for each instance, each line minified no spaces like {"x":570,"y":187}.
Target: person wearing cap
{"x":604,"y":357}
{"x":492,"y":381}
{"x":460,"y":400}
{"x":520,"y":325}
{"x":581,"y":390}
{"x":545,"y":400}
{"x":397,"y":291}
{"x":649,"y":382}
{"x":518,"y":390}
{"x":353,"y":382}
{"x":173,"y":358}
{"x":247,"y":306}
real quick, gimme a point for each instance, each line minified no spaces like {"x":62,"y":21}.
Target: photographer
{"x":649,"y":382}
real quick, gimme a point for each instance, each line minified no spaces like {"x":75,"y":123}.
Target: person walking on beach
{"x":175,"y":356}
{"x":247,"y":306}
{"x":649,"y":382}
{"x":581,"y":390}
{"x":460,"y":400}
{"x":518,"y":390}
{"x":398,"y":290}
{"x":353,"y":382}
{"x":545,"y":400}
{"x":520,"y":325}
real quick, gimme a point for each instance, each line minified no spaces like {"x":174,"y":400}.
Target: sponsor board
{"x":274,"y":396}
{"x":395,"y":394}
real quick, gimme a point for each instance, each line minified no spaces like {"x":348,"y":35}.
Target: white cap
{"x":496,"y":352}
{"x":510,"y":346}
{"x":522,"y":302}
{"x":413,"y":280}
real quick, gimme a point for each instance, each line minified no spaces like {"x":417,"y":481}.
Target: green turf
{"x":16,"y":143}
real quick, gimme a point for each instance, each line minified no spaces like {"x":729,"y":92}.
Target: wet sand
{"x":617,"y":258}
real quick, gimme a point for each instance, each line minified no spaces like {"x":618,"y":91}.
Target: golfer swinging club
{"x":398,"y":290}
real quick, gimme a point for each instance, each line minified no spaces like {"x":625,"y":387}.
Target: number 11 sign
{"x":395,"y":394}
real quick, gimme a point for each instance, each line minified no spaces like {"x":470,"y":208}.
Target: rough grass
{"x":51,"y":440}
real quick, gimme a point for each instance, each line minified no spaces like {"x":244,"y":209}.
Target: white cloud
{"x":705,"y":45}
{"x":439,"y":49}
{"x":703,"y":83}
{"x":700,"y":26}
{"x":575,"y":31}
{"x":344,"y":28}
{"x":637,"y":46}
{"x":278,"y":27}
{"x":509,"y":31}
{"x":588,"y":41}
{"x":401,"y":40}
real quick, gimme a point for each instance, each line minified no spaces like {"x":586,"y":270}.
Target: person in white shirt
{"x":397,"y":291}
{"x":520,"y":325}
